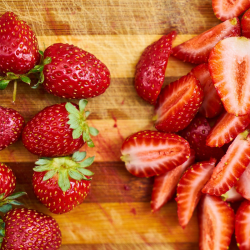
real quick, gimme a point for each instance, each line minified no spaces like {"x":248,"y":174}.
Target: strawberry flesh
{"x":226,"y":128}
{"x":211,"y":105}
{"x":165,"y":184}
{"x":189,"y":189}
{"x":178,"y":103}
{"x":216,"y":223}
{"x":230,"y":74}
{"x":150,"y":70}
{"x":232,"y":195}
{"x":245,"y":24}
{"x":231,"y":166}
{"x":197,"y":49}
{"x":148,"y":153}
{"x":196,"y":134}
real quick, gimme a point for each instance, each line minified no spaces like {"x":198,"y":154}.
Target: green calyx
{"x":7,"y":202}
{"x":65,"y":167}
{"x":2,"y":231}
{"x":77,"y":122}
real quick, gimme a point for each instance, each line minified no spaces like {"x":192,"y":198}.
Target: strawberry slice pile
{"x":207,"y":164}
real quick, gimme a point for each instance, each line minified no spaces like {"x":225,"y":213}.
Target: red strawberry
{"x":245,"y":24}
{"x":189,"y":189}
{"x":58,"y":130}
{"x":74,"y":73}
{"x":211,"y":105}
{"x":197,"y":49}
{"x":242,"y":229}
{"x":62,"y":183}
{"x":177,"y":104}
{"x":7,"y":181}
{"x":196,"y":133}
{"x":232,"y":195}
{"x":31,"y":230}
{"x":150,"y":70}
{"x":224,"y":9}
{"x":216,"y":223}
{"x":230,"y":74}
{"x":242,"y":186}
{"x":165,"y":184}
{"x":18,"y":45}
{"x":231,"y":166}
{"x":148,"y":153}
{"x":227,"y":127}
{"x":11,"y":125}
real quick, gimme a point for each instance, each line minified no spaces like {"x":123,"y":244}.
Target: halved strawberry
{"x":211,"y":105}
{"x":197,"y":49}
{"x":242,"y":186}
{"x":226,"y":128}
{"x":230,"y":73}
{"x":227,"y":9}
{"x":177,"y":104}
{"x":165,"y":184}
{"x":232,"y":195}
{"x":245,"y":24}
{"x":148,"y":153}
{"x":216,"y":223}
{"x":196,"y":133}
{"x":150,"y":70}
{"x":231,"y":166}
{"x":189,"y":189}
{"x":242,"y":226}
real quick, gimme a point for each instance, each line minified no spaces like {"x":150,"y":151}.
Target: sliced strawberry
{"x":178,"y":103}
{"x":150,"y":70}
{"x":226,"y":128}
{"x":245,"y":24}
{"x":242,"y":186}
{"x":230,"y":73}
{"x":197,"y":49}
{"x":232,"y":195}
{"x":231,"y":166}
{"x":227,"y":9}
{"x":148,"y":153}
{"x":196,"y":133}
{"x":189,"y":189}
{"x":211,"y":105}
{"x":216,"y":223}
{"x":165,"y":184}
{"x":242,"y":226}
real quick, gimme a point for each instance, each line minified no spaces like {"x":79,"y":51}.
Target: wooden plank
{"x":70,"y":17}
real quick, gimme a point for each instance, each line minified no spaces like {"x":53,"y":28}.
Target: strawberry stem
{"x":15,"y":90}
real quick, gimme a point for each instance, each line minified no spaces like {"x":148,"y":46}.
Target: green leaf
{"x":93,"y":131}
{"x":87,"y":113}
{"x":85,"y":171}
{"x":78,"y":156}
{"x":36,"y":86}
{"x":42,"y":168}
{"x":47,"y":60}
{"x":41,"y":80}
{"x":63,"y":180}
{"x":25,"y":79}
{"x":71,"y":109}
{"x":42,"y":161}
{"x":15,"y":196}
{"x":86,"y":136}
{"x":49,"y":174}
{"x":4,"y":84}
{"x":1,"y":196}
{"x":75,"y":175}
{"x":73,"y":121}
{"x":16,"y":203}
{"x":11,"y":76}
{"x":90,"y":144}
{"x":41,"y":52}
{"x":87,"y":162}
{"x":2,"y":232}
{"x":5,"y":208}
{"x":77,"y":133}
{"x":82,"y":105}
{"x":36,"y":69}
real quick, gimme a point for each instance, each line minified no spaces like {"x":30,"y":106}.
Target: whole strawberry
{"x":74,"y":73}
{"x":11,"y":125}
{"x":62,"y":183}
{"x":7,"y":181}
{"x":18,"y":45}
{"x":28,"y":229}
{"x":58,"y":130}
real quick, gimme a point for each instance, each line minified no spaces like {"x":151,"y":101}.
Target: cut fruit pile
{"x":201,"y":150}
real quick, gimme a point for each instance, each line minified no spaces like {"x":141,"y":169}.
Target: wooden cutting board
{"x":116,"y":214}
